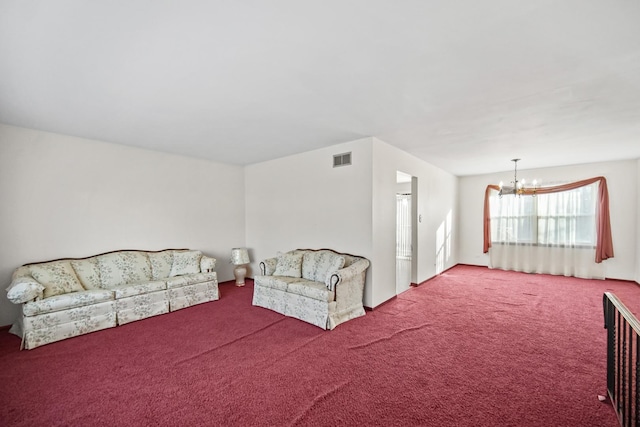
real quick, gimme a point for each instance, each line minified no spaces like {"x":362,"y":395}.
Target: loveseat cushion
{"x":289,"y":264}
{"x":160,"y":264}
{"x":316,"y":265}
{"x":190,"y":279}
{"x":122,"y":268}
{"x":57,"y":277}
{"x":124,"y":291}
{"x":275,"y":282}
{"x":309,"y":289}
{"x":187,"y":262}
{"x":88,"y":272}
{"x":65,"y":301}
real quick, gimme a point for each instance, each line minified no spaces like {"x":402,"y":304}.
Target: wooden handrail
{"x":628,"y":315}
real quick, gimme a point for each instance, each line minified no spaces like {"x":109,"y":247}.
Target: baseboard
{"x":623,"y":280}
{"x":413,"y":285}
{"x":433,"y":277}
{"x":247,"y":281}
{"x":381,"y":304}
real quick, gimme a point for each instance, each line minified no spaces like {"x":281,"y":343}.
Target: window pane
{"x":566,"y":218}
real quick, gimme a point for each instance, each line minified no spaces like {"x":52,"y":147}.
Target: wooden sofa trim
{"x":105,"y":253}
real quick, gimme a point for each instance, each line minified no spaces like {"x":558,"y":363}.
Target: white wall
{"x":638,"y":223}
{"x":625,"y":219}
{"x":436,"y":199}
{"x":70,"y":197}
{"x":302,"y":201}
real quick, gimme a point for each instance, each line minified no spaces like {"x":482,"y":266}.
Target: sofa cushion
{"x":62,"y":302}
{"x":88,"y":272}
{"x":187,"y":262}
{"x":124,"y":291}
{"x":69,"y":315}
{"x":315,"y":290}
{"x":141,"y":307}
{"x":57,"y":278}
{"x":160,"y":264}
{"x":289,"y":264}
{"x":142,"y":300}
{"x":24,"y":289}
{"x":190,"y":279}
{"x":122,"y":268}
{"x":187,"y":296}
{"x":316,"y":265}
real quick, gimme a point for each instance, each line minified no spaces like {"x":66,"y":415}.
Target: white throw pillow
{"x":57,"y":277}
{"x":289,"y":264}
{"x":185,"y":263}
{"x":24,"y":289}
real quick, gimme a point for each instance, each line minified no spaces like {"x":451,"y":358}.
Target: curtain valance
{"x":604,"y":242}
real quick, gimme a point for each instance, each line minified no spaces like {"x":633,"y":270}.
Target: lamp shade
{"x":239,"y":256}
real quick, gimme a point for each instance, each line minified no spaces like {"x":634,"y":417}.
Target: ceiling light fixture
{"x":518,"y":188}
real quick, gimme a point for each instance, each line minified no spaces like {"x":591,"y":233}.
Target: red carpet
{"x":472,"y":347}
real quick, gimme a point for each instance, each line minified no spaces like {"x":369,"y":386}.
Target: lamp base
{"x":240,"y":272}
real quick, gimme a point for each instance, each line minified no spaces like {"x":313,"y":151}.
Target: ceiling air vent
{"x":343,"y":159}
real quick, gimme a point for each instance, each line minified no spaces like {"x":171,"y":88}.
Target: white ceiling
{"x":464,"y":85}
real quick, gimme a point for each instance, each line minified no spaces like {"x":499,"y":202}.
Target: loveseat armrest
{"x":207,"y":264}
{"x":24,"y":289}
{"x":346,"y":274}
{"x":268,"y":266}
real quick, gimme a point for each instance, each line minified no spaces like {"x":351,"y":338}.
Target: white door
{"x":404,"y":233}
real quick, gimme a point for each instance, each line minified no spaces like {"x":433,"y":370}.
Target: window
{"x":563,"y":219}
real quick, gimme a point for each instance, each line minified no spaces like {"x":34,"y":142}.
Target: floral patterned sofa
{"x":321,"y":287}
{"x":69,"y":297}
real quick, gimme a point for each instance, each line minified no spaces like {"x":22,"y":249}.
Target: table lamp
{"x":240,"y":258}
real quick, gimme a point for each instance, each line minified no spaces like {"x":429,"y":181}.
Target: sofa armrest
{"x":207,"y":264}
{"x":346,"y":274}
{"x":268,"y":266}
{"x":24,"y":289}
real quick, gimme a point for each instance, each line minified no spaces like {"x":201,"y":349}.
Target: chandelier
{"x":518,"y":187}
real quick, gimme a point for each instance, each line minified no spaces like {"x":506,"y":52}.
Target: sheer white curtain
{"x":549,"y":233}
{"x":403,"y":226}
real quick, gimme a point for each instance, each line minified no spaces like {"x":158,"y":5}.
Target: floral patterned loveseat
{"x":69,"y":297}
{"x":321,"y":287}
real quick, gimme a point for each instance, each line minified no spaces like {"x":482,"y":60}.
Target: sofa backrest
{"x":350,"y":259}
{"x":57,"y":277}
{"x":160,"y":263}
{"x":105,"y":271}
{"x":317,"y":264}
{"x":120,"y":268}
{"x":108,"y":270}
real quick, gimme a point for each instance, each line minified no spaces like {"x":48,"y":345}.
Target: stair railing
{"x":623,"y":361}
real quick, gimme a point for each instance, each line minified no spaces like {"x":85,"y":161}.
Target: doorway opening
{"x":405,"y":230}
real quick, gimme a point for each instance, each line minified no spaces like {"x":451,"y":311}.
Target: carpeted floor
{"x":472,"y":347}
